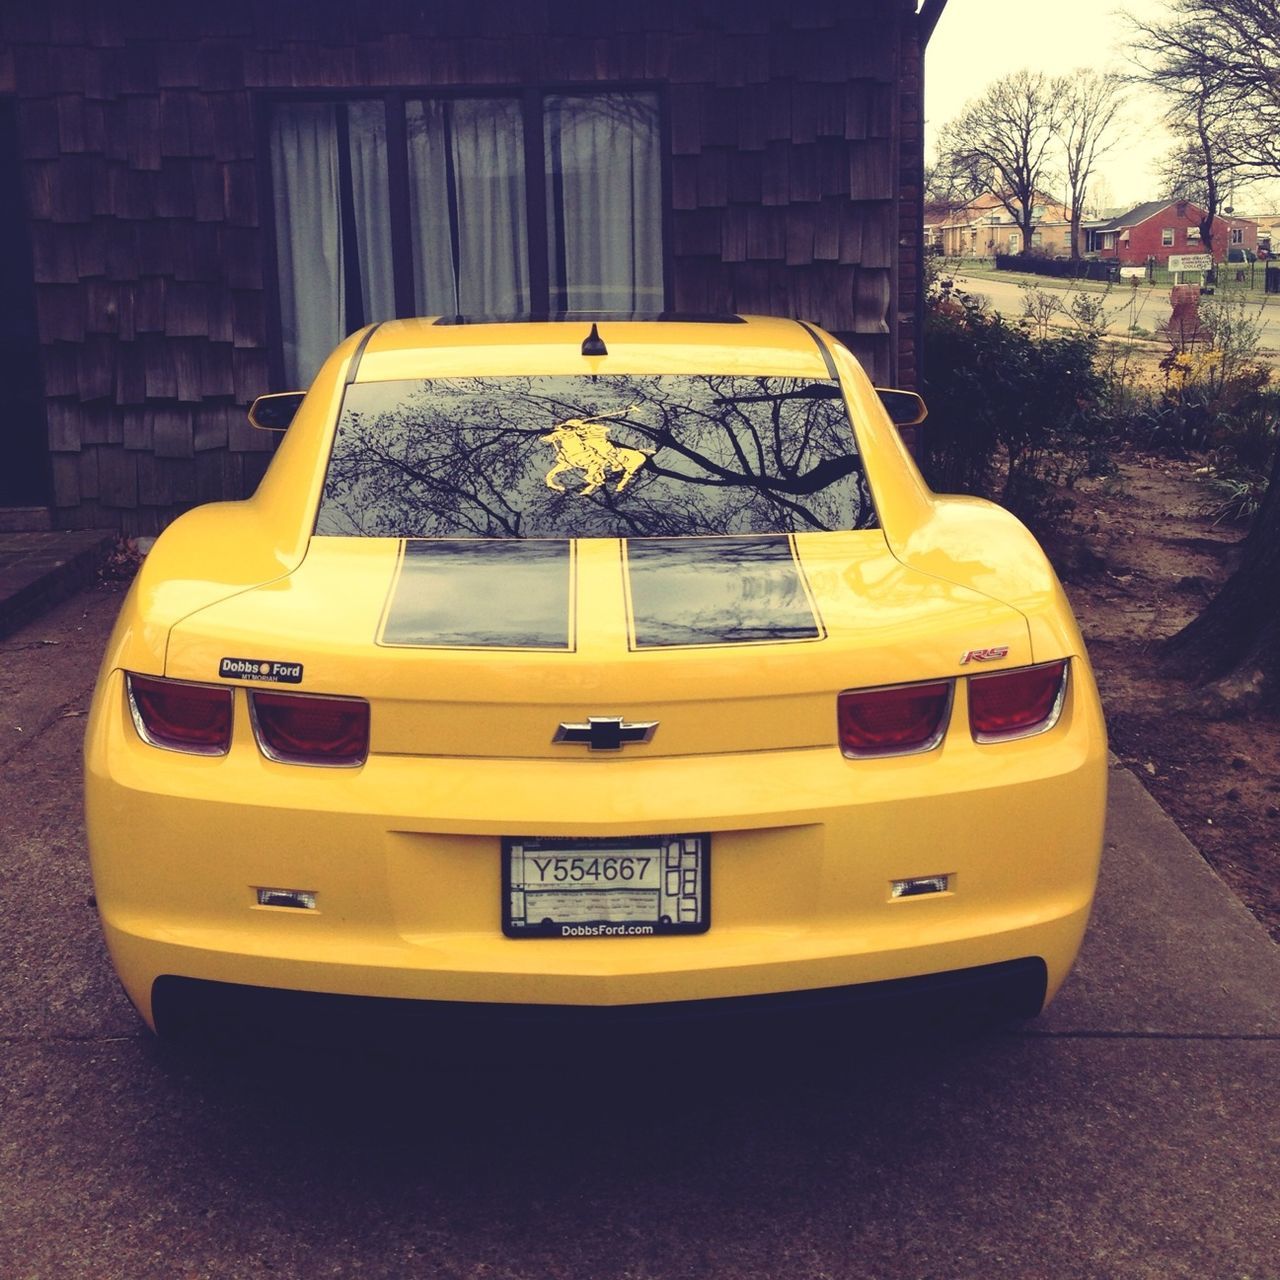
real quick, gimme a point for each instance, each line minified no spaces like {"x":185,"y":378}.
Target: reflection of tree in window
{"x":469,"y":457}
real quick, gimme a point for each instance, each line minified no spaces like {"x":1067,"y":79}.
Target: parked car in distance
{"x":601,"y":665}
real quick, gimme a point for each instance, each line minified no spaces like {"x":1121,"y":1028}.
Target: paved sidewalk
{"x":39,"y":569}
{"x":1130,"y":1133}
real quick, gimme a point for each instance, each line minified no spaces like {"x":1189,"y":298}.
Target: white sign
{"x":1190,"y":262}
{"x":1132,"y":273}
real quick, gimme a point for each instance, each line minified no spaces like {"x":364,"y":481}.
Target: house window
{"x":1193,"y":235}
{"x":1237,"y":235}
{"x":401,"y":205}
{"x":1166,"y":236}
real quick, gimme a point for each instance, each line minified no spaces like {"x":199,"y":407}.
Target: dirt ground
{"x":1139,"y":558}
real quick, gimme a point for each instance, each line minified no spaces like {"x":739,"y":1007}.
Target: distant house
{"x":1268,"y":232}
{"x":1160,"y":228}
{"x":983,"y":227}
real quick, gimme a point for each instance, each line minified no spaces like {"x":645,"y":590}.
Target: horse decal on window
{"x":583,"y":444}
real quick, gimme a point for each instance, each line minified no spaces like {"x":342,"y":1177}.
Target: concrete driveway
{"x":1132,"y":1131}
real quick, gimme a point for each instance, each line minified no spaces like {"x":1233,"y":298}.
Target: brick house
{"x":200,"y":200}
{"x":1163,"y":227}
{"x":983,"y":227}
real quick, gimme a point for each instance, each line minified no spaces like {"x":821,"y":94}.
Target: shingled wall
{"x":795,"y":145}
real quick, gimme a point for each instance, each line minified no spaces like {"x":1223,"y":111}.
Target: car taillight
{"x":1016,"y":704}
{"x":181,"y":717}
{"x":893,"y":721}
{"x":299,"y":728}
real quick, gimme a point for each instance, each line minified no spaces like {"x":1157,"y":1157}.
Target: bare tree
{"x":1091,"y":108}
{"x":1225,"y":54}
{"x":940,"y":186}
{"x":1199,"y":168}
{"x":1218,"y":64}
{"x":1003,"y":141}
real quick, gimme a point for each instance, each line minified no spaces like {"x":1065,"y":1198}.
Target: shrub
{"x":1215,"y":395}
{"x":1011,"y":413}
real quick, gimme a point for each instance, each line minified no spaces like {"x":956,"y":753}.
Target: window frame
{"x":1167,"y":236}
{"x":531,"y":98}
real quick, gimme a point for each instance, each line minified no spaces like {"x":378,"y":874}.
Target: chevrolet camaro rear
{"x":560,"y":666}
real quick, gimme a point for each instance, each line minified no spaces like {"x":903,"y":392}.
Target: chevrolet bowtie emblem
{"x":606,"y":733}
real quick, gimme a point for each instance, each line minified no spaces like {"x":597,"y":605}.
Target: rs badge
{"x":985,"y":655}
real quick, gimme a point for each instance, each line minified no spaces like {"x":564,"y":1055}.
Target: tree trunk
{"x":1266,"y":519}
{"x":1236,"y":640}
{"x":1075,"y":236}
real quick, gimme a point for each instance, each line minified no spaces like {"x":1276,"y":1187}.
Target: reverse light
{"x":896,"y":720}
{"x":919,"y":886}
{"x":1016,"y":704}
{"x":290,"y":899}
{"x":299,"y":728}
{"x":175,"y":715}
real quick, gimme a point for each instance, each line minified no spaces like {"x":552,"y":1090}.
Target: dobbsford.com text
{"x":604,"y":930}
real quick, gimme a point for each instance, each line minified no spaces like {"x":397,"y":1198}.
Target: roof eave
{"x":930,"y":12}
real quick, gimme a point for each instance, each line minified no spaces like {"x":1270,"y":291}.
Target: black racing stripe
{"x":693,"y":591}
{"x":478,"y":593}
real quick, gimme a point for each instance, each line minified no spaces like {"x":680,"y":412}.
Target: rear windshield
{"x":593,"y":456}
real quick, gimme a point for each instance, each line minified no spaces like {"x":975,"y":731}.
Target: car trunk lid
{"x":486,"y":648}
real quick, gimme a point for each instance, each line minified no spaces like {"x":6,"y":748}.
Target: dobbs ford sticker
{"x":260,"y":669}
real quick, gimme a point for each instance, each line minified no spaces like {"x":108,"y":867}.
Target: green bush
{"x":1012,"y":415}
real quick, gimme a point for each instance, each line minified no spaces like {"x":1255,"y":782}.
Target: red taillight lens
{"x":893,"y":721}
{"x":299,"y":729}
{"x":1015,"y":704}
{"x":182,"y":717}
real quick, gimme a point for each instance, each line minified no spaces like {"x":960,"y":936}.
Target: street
{"x":1127,"y":1133}
{"x":1145,"y":307}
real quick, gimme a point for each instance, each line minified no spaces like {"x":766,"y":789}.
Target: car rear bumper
{"x":231,"y":1015}
{"x":404,"y":858}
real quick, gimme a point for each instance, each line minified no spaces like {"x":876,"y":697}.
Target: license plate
{"x":576,"y":888}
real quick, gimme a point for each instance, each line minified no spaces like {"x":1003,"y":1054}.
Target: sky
{"x":978,"y":41}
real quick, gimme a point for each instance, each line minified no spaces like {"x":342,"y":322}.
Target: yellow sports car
{"x":592,"y":663}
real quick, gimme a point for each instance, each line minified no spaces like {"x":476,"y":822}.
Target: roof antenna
{"x":593,"y":344}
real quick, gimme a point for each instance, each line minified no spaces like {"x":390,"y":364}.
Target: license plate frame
{"x":537,"y":904}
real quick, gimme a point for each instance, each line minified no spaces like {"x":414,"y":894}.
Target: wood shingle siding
{"x":794,"y":138}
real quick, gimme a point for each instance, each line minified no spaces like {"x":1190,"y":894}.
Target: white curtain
{"x":367,"y":128}
{"x":471,"y":252}
{"x":488,"y":160}
{"x":304,"y":173}
{"x":467,"y":205}
{"x":604,"y":202}
{"x":434,"y":291}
